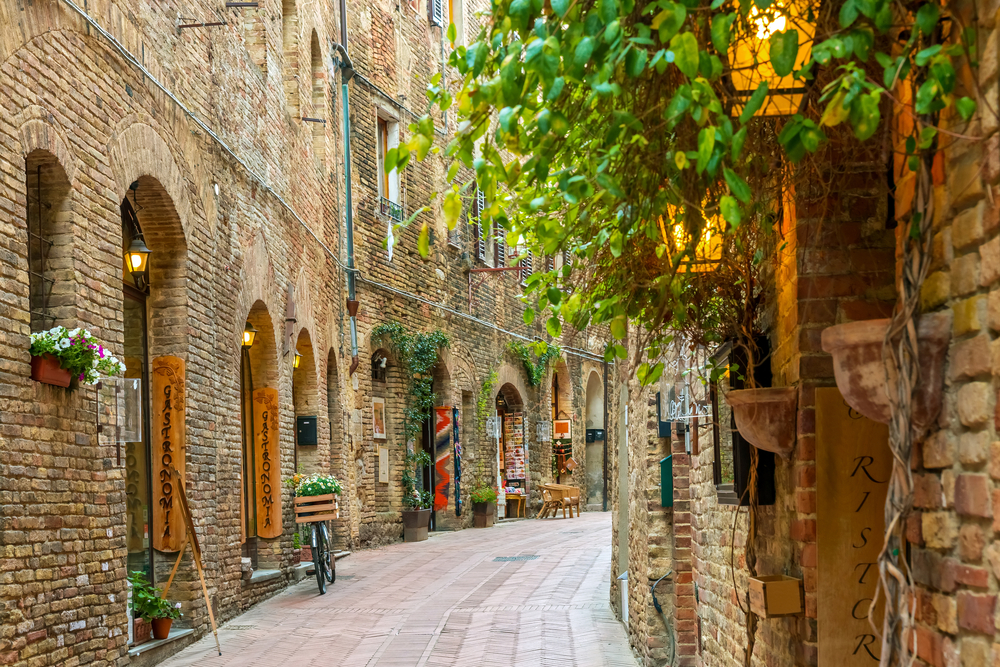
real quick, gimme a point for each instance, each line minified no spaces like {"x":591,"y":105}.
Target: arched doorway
{"x":261,"y":489}
{"x":154,"y":308}
{"x":596,"y":437}
{"x":512,"y":452}
{"x":561,"y":409}
{"x":309,"y":456}
{"x":437,"y":439}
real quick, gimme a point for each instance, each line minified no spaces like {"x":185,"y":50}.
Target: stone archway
{"x":309,"y":457}
{"x":594,"y":423}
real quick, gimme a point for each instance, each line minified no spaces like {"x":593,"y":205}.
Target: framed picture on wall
{"x":561,"y":429}
{"x":378,"y":418}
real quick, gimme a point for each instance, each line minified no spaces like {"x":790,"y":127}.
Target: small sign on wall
{"x":561,"y":429}
{"x":383,"y":465}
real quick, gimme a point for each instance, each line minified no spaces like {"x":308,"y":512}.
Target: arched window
{"x":49,"y":240}
{"x":379,"y":363}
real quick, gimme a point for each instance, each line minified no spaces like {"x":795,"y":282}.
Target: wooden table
{"x":519,"y":504}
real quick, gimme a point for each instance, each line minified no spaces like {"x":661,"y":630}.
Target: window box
{"x":775,"y":595}
{"x":46,"y":369}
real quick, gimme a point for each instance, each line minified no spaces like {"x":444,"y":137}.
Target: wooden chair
{"x":549,"y":503}
{"x":571,"y":499}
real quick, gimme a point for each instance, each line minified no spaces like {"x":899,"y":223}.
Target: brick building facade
{"x":227,"y":143}
{"x":839,"y":247}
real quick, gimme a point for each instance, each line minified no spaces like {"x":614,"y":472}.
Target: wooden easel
{"x":190,"y":537}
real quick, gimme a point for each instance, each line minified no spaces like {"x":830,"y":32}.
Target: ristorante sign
{"x":168,"y":450}
{"x":267,"y":462}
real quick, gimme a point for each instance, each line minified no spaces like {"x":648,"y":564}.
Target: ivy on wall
{"x":417,"y":353}
{"x":534,"y":368}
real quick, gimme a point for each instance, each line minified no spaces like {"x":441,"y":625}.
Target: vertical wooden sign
{"x":267,"y":462}
{"x":853,"y":465}
{"x":168,"y":449}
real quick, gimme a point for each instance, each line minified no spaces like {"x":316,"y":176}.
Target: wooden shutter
{"x":499,"y":246}
{"x":435,"y":11}
{"x":478,"y":205}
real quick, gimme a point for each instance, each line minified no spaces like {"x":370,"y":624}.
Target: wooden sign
{"x":853,"y":465}
{"x":267,"y":462}
{"x":167,"y":446}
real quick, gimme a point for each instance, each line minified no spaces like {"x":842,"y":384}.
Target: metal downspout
{"x":346,"y":72}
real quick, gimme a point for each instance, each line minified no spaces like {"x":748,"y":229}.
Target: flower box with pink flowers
{"x":59,"y":355}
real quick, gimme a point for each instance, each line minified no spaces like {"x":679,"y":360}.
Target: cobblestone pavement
{"x":445,"y":601}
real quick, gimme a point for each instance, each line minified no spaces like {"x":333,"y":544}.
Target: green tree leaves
{"x":685,"y":49}
{"x":784,"y":50}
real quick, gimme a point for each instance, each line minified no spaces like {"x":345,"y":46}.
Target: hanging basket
{"x":46,"y":369}
{"x":861,"y":373}
{"x":766,"y":417}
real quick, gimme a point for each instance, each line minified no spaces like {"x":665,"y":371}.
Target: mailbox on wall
{"x":305,"y":431}
{"x":667,"y":481}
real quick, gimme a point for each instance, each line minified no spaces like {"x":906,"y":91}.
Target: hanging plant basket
{"x":766,"y":417}
{"x":46,"y":369}
{"x":861,"y":373}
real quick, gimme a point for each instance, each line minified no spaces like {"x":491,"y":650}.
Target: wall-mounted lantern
{"x":137,"y":261}
{"x":750,"y":66}
{"x":249,"y":333}
{"x":296,"y":360}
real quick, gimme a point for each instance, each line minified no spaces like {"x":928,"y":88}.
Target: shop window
{"x":49,"y":239}
{"x":290,"y":47}
{"x":731,"y":465}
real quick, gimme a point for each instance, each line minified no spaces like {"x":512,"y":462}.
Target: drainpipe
{"x":346,"y":73}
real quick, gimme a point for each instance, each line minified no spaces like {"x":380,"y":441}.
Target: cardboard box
{"x":775,"y":595}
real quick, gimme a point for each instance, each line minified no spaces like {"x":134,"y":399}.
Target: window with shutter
{"x":478,"y":204}
{"x":435,"y":11}
{"x":525,"y":265}
{"x":550,"y":263}
{"x":499,"y":246}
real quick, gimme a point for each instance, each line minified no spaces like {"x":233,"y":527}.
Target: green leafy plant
{"x":484,"y":401}
{"x":78,"y":352}
{"x":543,"y":353}
{"x":147,"y":602}
{"x":418,"y":354}
{"x":413,"y":496}
{"x":483,"y":494}
{"x":296,"y":541}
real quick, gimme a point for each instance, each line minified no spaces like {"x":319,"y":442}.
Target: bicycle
{"x":316,"y":510}
{"x":324,"y":559}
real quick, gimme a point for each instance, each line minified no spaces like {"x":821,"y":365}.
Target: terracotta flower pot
{"x":297,"y":555}
{"x":766,"y":417}
{"x":140,"y":630}
{"x":306,"y":554}
{"x":161,"y":627}
{"x":861,"y":374}
{"x":46,"y":369}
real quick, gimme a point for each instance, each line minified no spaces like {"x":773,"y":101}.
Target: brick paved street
{"x":446,"y":601}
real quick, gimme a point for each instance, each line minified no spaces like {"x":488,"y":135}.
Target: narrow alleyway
{"x":446,"y":601}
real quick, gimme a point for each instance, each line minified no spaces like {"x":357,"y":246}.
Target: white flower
{"x":95,"y":362}
{"x":74,"y":332}
{"x":64,"y":343}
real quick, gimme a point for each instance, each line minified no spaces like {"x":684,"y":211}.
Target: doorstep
{"x":157,"y":650}
{"x":262,"y":576}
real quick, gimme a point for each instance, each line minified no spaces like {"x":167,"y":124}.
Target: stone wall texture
{"x":242,"y":203}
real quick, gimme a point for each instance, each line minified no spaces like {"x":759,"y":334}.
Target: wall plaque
{"x":853,"y":465}
{"x":267,"y":468}
{"x":167,"y":446}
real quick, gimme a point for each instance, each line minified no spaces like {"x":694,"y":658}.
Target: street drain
{"x":240,"y":627}
{"x":510,"y":559}
{"x":346,"y":576}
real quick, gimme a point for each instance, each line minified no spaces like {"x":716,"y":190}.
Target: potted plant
{"x":297,"y":549}
{"x":148,"y":605}
{"x":766,"y":417}
{"x":416,"y":501}
{"x":60,"y":354}
{"x":484,"y":504}
{"x":862,"y":374}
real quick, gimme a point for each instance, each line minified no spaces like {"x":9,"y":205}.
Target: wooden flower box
{"x":775,"y":595}
{"x":316,"y":508}
{"x":47,"y":369}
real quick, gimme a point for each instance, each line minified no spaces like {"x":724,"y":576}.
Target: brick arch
{"x":138,"y":150}
{"x":37,"y":132}
{"x":305,"y":317}
{"x":305,"y":402}
{"x":256,"y":283}
{"x":509,"y":374}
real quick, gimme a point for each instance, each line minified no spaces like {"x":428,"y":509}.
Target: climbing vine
{"x":534,"y":369}
{"x":417,"y":354}
{"x":484,"y":401}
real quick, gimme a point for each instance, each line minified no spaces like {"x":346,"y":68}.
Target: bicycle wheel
{"x":331,"y":559}
{"x":320,"y":558}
